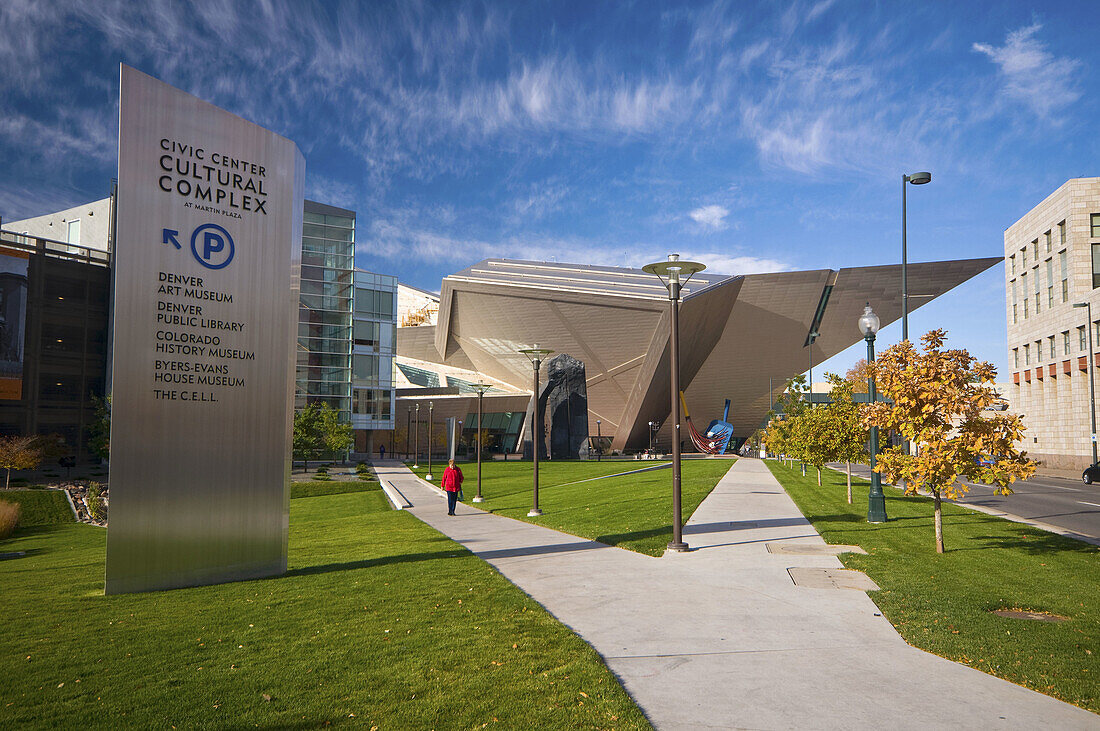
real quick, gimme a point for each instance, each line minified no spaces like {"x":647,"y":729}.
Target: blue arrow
{"x":170,"y":237}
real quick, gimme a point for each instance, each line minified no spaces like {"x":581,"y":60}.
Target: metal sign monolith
{"x":206,"y":280}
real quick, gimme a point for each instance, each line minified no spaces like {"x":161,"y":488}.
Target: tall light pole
{"x":535,"y":355}
{"x":1092,"y":379}
{"x":428,"y":477}
{"x":651,"y":436}
{"x":416,"y":454}
{"x":670,"y":273}
{"x":914,"y":179}
{"x":408,"y":431}
{"x":876,"y":501}
{"x":599,"y":442}
{"x":481,"y":388}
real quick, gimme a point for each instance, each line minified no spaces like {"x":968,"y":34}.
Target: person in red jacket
{"x":452,"y":483}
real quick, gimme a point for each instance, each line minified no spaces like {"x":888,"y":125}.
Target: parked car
{"x":985,"y":460}
{"x":1091,"y":473}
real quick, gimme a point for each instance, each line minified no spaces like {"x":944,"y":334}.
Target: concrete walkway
{"x":721,"y":637}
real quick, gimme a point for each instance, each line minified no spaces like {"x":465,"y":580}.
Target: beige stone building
{"x":1052,"y":261}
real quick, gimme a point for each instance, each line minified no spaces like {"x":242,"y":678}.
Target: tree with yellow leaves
{"x":936,"y":400}
{"x":19,"y":453}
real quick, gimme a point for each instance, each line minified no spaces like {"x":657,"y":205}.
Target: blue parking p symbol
{"x":216,"y":246}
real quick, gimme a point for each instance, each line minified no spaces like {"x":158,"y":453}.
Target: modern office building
{"x":374,"y":346}
{"x":741,"y":338}
{"x":54,"y":331}
{"x":323,"y":373}
{"x":1052,"y":263}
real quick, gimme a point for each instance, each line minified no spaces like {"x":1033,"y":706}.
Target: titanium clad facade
{"x":208,"y":253}
{"x":736,"y":332}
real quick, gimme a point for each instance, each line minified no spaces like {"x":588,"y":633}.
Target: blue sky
{"x":752,"y":137}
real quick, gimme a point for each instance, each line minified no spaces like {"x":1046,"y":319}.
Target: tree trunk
{"x":819,"y":477}
{"x":7,"y":482}
{"x":803,"y":469}
{"x":939,"y":522}
{"x":849,"y":483}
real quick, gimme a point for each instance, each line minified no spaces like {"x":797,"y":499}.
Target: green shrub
{"x":9,"y":518}
{"x":94,"y":498}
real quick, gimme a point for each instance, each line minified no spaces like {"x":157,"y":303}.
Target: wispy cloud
{"x":712,"y":218}
{"x":1031,"y":74}
{"x":399,"y":236}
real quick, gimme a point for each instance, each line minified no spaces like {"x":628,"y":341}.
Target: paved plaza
{"x":722,"y":637}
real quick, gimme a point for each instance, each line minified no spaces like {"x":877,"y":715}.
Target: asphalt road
{"x":1068,"y":504}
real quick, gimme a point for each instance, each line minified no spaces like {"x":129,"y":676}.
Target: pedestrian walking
{"x":452,"y":483}
{"x":381,"y":451}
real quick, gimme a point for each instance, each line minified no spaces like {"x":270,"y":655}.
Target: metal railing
{"x":54,"y":249}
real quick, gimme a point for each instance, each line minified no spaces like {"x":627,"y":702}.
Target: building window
{"x":1065,"y":275}
{"x":1047,"y":237}
{"x":1023,"y":286}
{"x":1095,"y":266}
{"x":1062,"y":233}
{"x":1053,"y":353}
{"x":1095,"y":221}
{"x":1038,"y":351}
{"x":1015,"y":300}
{"x":1027,"y":355}
{"x":1035,"y":249}
{"x":1081,"y":339}
{"x":1050,"y":283}
{"x":1023,"y":257}
{"x":1065,"y":343}
{"x":72,"y":232}
{"x":1015,"y":357}
{"x":1035,"y":275}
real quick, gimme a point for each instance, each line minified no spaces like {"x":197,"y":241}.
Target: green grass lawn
{"x":334,"y":487}
{"x":631,"y":511}
{"x":942,"y":603}
{"x":40,"y":507}
{"x":381,"y":621}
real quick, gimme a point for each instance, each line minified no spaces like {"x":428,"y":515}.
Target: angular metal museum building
{"x":741,"y":337}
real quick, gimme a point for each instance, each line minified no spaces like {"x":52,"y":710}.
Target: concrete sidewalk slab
{"x":721,"y":637}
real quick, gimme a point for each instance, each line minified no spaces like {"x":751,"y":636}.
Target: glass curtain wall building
{"x":374,"y":341}
{"x":323,"y":372}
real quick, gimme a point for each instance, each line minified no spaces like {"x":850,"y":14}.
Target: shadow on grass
{"x":1042,"y":543}
{"x":614,"y":539}
{"x":369,"y":563}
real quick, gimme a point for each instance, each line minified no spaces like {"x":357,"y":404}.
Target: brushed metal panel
{"x":200,"y":465}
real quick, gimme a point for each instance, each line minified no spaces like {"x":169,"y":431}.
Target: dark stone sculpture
{"x":563,"y":401}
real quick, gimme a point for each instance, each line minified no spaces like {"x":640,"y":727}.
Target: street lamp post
{"x":428,"y":477}
{"x":481,"y":388}
{"x":670,"y":273}
{"x":535,"y":355}
{"x":876,"y":501}
{"x":1092,"y":379}
{"x":914,"y":179}
{"x":599,"y":442}
{"x":408,"y":431}
{"x":416,"y":454}
{"x":651,"y":437}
